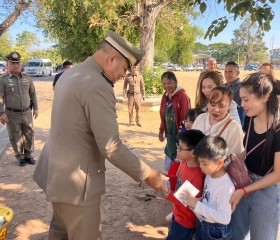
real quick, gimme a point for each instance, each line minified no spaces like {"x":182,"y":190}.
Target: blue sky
{"x":216,"y":11}
{"x":213,"y":12}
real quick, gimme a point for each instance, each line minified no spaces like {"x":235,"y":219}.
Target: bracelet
{"x":243,"y":189}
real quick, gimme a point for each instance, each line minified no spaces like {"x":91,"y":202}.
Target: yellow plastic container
{"x":8,"y":214}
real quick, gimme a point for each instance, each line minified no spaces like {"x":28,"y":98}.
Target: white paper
{"x":186,"y":187}
{"x":2,"y":220}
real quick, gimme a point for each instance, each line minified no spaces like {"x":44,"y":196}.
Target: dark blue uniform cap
{"x":13,"y":57}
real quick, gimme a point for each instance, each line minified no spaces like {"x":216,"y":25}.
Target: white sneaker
{"x":169,"y":217}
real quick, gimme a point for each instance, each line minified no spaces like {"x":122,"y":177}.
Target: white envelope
{"x":186,"y":186}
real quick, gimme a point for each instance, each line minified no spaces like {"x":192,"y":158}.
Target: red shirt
{"x":183,"y":215}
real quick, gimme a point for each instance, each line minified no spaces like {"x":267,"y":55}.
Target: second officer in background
{"x":136,"y":90}
{"x":17,"y":99}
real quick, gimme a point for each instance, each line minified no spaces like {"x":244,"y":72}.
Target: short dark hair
{"x":212,"y":148}
{"x":66,"y":63}
{"x":234,"y":64}
{"x":193,"y":113}
{"x":169,"y":75}
{"x":191,"y":137}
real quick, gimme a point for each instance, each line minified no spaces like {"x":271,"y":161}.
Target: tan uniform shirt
{"x":17,"y":92}
{"x":84,"y":132}
{"x":135,"y":84}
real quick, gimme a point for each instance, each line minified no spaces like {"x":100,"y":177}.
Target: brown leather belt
{"x":17,"y":110}
{"x":134,"y":93}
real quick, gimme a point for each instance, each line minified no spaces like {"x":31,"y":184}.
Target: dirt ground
{"x":125,"y":213}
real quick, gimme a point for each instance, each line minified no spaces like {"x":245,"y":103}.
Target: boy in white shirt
{"x":213,"y":209}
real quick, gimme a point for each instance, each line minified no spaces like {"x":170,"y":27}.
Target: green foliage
{"x":248,"y":40}
{"x":175,"y":36}
{"x":259,"y":11}
{"x":27,"y":40}
{"x":5,"y":45}
{"x":80,"y":26}
{"x":52,"y":54}
{"x":152,"y":79}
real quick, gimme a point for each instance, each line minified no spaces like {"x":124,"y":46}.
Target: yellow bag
{"x":8,"y":214}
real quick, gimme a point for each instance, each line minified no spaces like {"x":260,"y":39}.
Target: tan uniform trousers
{"x":134,"y":100}
{"x":76,"y":222}
{"x":21,"y":134}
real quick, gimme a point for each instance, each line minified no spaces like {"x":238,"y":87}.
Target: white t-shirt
{"x":214,"y":206}
{"x":233,"y":134}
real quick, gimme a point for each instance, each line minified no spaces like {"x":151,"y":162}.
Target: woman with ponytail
{"x":256,"y":207}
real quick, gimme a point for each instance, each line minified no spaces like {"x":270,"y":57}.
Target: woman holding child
{"x":175,"y":103}
{"x":256,"y":207}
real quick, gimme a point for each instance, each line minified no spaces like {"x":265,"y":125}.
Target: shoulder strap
{"x":249,"y":128}
{"x":261,"y":142}
{"x":224,"y":127}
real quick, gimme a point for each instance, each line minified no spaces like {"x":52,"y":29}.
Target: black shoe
{"x":21,"y":162}
{"x":30,"y":161}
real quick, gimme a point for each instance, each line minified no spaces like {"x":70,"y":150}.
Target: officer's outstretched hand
{"x":35,"y":113}
{"x":4,"y":118}
{"x":124,"y":96}
{"x":156,"y":180}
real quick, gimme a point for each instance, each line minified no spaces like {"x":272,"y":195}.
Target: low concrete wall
{"x":151,"y":103}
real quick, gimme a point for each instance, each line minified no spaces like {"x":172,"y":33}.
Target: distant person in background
{"x":66,"y":65}
{"x":233,"y":83}
{"x":211,"y":67}
{"x":135,"y":92}
{"x":267,"y":67}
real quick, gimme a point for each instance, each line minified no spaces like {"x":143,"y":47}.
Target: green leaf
{"x":202,"y":7}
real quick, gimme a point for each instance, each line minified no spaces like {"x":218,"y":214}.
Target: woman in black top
{"x":256,"y":207}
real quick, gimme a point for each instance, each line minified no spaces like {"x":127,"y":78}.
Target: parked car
{"x":251,"y":67}
{"x":170,"y":67}
{"x":189,"y":68}
{"x":3,"y":69}
{"x":39,"y":67}
{"x":221,"y":67}
{"x":177,"y":68}
{"x":198,"y":67}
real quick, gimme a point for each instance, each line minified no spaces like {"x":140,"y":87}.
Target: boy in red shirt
{"x":184,"y":220}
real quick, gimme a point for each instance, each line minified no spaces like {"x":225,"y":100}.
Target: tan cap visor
{"x":122,"y":50}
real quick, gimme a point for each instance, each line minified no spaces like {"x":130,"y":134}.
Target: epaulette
{"x":5,"y":75}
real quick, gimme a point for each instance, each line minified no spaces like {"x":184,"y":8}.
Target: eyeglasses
{"x":179,"y":149}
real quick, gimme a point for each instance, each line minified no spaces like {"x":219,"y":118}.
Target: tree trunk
{"x":147,"y":31}
{"x":20,"y":7}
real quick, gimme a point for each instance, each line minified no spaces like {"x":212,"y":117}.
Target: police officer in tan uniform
{"x":134,"y":94}
{"x":17,"y":99}
{"x":84,"y":132}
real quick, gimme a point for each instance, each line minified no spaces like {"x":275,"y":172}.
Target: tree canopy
{"x":80,"y":25}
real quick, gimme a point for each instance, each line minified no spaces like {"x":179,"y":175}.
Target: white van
{"x":39,"y":67}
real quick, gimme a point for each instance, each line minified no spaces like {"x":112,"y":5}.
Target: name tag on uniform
{"x":11,"y":85}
